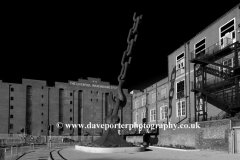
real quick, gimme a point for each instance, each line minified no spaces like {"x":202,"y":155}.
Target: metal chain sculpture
{"x":111,"y":137}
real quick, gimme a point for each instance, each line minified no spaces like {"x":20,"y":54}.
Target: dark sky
{"x":64,"y":42}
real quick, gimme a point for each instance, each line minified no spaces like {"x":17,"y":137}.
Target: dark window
{"x":70,"y":118}
{"x":70,"y":94}
{"x":91,"y":99}
{"x":180,"y":56}
{"x":42,"y":113}
{"x":41,"y":130}
{"x":12,"y":98}
{"x":42,"y":96}
{"x":180,"y":89}
{"x":11,"y":116}
{"x":42,"y":87}
{"x":91,"y":91}
{"x":70,"y":110}
{"x":12,"y":89}
{"x":11,"y":126}
{"x":42,"y":104}
{"x":42,"y":122}
{"x":11,"y":107}
{"x":70,"y":102}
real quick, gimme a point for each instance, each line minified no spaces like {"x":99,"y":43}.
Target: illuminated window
{"x":181,"y":108}
{"x":152,"y":115}
{"x":163,"y":112}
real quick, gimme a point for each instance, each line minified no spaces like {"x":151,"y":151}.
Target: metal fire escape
{"x":216,"y":77}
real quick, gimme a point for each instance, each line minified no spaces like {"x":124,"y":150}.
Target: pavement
{"x":69,"y":153}
{"x":34,"y":155}
{"x":150,"y":154}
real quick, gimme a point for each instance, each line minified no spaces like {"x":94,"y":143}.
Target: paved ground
{"x":152,"y":154}
{"x":43,"y":152}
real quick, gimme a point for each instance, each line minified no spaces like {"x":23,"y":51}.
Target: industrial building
{"x":34,"y":106}
{"x":203,"y":78}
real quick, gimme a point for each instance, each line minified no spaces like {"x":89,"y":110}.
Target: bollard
{"x":11,"y":152}
{"x":5,"y":153}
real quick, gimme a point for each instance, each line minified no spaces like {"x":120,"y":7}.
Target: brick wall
{"x":214,"y":135}
{"x":184,"y":137}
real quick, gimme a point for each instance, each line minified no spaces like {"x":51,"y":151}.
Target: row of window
{"x":180,"y":108}
{"x":153,"y":98}
{"x":227,"y":35}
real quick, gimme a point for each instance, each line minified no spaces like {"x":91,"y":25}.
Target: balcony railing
{"x":209,"y":52}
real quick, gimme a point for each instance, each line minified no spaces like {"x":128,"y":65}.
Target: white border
{"x":176,"y":86}
{"x":194,"y":46}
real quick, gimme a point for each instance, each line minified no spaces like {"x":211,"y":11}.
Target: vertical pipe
{"x":73,"y":112}
{"x":194,"y":83}
{"x":9,"y":105}
{"x":48,"y":112}
{"x":185,"y":81}
{"x":189,"y":74}
{"x":156,"y":106}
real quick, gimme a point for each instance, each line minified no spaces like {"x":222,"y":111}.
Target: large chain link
{"x":126,"y":59}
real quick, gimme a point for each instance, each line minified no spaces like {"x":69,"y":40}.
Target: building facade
{"x":34,"y":106}
{"x":203,"y":77}
{"x":151,"y":103}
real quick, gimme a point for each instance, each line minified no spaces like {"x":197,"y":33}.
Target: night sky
{"x":64,"y":42}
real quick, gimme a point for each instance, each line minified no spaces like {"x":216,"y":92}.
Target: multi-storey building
{"x":203,"y":76}
{"x":151,"y":103}
{"x":34,"y":106}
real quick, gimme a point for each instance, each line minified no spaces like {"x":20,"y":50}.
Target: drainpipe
{"x":48,"y":112}
{"x":156,"y":106}
{"x":9,"y":102}
{"x":73,"y":111}
{"x":189,"y":74}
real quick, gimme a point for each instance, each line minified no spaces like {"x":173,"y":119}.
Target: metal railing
{"x":208,"y":53}
{"x":14,"y":152}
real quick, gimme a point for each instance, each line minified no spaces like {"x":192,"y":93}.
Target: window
{"x":180,"y":64}
{"x":41,"y":122}
{"x":41,"y":130}
{"x":11,"y":126}
{"x":163,"y":93}
{"x":70,"y":94}
{"x":143,"y":114}
{"x":144,"y":101}
{"x":136,"y":104}
{"x":42,"y":87}
{"x":42,"y":114}
{"x":12,"y":89}
{"x":42,"y":104}
{"x":199,"y":47}
{"x":227,"y":33}
{"x":181,"y":108}
{"x":11,"y":116}
{"x":70,"y":118}
{"x":12,"y":98}
{"x":11,"y":107}
{"x":163,"y":112}
{"x":180,"y":89}
{"x":152,"y":115}
{"x":153,"y":97}
{"x":70,"y":102}
{"x":136,"y":118}
{"x":70,"y":110}
{"x":229,"y":63}
{"x":42,"y":96}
